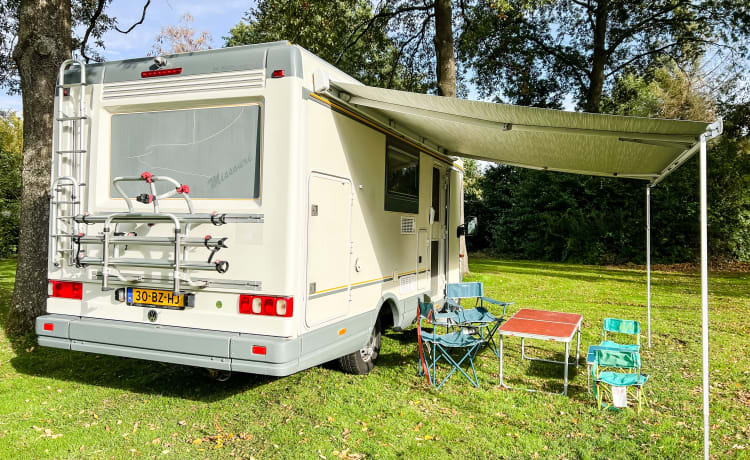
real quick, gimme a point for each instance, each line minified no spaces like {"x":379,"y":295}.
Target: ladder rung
{"x":71,"y":85}
{"x":71,"y":151}
{"x":65,"y":202}
{"x":66,"y":118}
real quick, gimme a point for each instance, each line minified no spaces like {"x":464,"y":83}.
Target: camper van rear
{"x":212,"y":209}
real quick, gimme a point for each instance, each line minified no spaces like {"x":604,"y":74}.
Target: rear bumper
{"x":193,"y":347}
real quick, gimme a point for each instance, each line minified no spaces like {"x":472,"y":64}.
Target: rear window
{"x":216,"y":151}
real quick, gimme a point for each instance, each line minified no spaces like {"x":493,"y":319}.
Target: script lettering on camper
{"x":216,"y":180}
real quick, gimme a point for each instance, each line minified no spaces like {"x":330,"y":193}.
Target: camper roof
{"x":269,"y":56}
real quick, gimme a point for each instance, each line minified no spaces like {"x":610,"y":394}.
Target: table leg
{"x":500,"y":365}
{"x":578,"y":347}
{"x":523,"y":349}
{"x":567,"y":364}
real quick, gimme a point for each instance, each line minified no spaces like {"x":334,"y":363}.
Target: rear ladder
{"x":68,"y":188}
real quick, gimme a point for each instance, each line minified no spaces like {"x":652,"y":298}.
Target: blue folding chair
{"x":434,"y":347}
{"x":479,"y":315}
{"x":622,"y":327}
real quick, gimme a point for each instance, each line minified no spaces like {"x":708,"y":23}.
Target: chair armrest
{"x":497,"y":302}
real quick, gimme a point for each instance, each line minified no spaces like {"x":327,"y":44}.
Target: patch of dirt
{"x":744,"y":397}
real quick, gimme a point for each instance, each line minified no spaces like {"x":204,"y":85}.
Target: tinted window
{"x":401,"y":177}
{"x":216,"y":151}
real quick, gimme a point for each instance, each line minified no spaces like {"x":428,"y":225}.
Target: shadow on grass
{"x":138,"y":376}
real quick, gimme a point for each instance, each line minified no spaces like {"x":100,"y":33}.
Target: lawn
{"x":57,"y":404}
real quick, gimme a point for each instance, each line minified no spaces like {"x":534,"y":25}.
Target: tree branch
{"x":352,"y":40}
{"x":143,"y":17}
{"x":557,"y":55}
{"x":630,"y":31}
{"x":90,"y":28}
{"x":639,"y":56}
{"x":586,"y":5}
{"x":403,"y":46}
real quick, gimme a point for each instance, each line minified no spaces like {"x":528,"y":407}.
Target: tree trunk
{"x":446,"y":58}
{"x":44,"y":42}
{"x":598,"y":59}
{"x":446,"y":82}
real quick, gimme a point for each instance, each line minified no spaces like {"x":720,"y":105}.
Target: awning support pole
{"x":648,"y":258}
{"x":704,"y":290}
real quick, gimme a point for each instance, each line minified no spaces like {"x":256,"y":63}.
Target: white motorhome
{"x":219,"y":209}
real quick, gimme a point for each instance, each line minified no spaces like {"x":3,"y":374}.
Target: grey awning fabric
{"x":584,"y":143}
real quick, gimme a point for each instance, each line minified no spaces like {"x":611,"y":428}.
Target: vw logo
{"x":152,"y":315}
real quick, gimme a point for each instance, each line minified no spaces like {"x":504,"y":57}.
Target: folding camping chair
{"x":623,"y":327}
{"x":478,"y":316}
{"x":630,"y":362}
{"x":434,"y":347}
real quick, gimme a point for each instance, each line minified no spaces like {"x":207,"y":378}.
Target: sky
{"x":215,"y":16}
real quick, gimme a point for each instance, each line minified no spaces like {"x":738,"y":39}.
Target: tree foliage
{"x":538,"y":56}
{"x":11,"y":146}
{"x":90,"y":21}
{"x":345,"y":33}
{"x":181,"y":38}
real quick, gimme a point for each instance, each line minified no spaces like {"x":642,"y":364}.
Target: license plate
{"x":154,"y":298}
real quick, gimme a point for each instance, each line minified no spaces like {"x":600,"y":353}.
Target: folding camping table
{"x":542,"y":325}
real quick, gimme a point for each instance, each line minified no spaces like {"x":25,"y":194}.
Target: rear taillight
{"x":266,"y":305}
{"x":258,"y":350}
{"x":49,"y":327}
{"x":66,"y":289}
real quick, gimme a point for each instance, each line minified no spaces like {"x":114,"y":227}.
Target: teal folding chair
{"x":435,"y":347}
{"x":478,"y":316}
{"x":607,"y":371}
{"x":621,"y":327}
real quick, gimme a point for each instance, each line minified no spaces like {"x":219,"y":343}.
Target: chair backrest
{"x":622,"y":326}
{"x":618,"y":359}
{"x":464,"y":290}
{"x":425,"y":310}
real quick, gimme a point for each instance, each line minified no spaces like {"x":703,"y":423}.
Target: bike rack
{"x":180,"y":242}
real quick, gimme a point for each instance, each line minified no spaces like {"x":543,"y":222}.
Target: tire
{"x":218,"y":375}
{"x":362,"y":361}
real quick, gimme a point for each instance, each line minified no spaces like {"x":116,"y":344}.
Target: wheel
{"x":361,"y":362}
{"x":218,"y":375}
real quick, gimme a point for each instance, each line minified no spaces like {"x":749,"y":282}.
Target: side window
{"x":401,"y":177}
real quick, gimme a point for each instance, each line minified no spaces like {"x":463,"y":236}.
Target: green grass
{"x":56,"y":404}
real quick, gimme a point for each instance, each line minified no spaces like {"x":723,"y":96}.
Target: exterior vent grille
{"x":245,"y":79}
{"x":408,"y":225}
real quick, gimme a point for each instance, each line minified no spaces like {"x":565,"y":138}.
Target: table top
{"x":542,"y":324}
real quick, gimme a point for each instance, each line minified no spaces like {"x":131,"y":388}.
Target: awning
{"x":555,"y":140}
{"x":584,"y":143}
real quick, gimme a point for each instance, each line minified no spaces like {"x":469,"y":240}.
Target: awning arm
{"x":704,"y":290}
{"x":712,"y":131}
{"x":648,"y":258}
